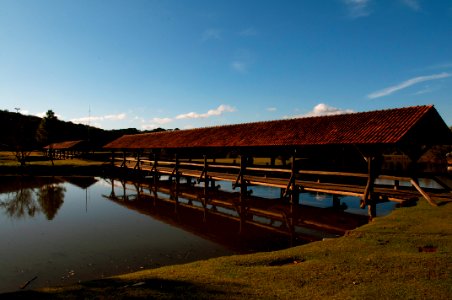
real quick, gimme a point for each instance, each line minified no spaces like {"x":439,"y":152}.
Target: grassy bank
{"x":37,"y":164}
{"x":406,"y":255}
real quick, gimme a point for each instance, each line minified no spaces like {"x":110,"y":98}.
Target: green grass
{"x":406,"y":255}
{"x":36,"y":158}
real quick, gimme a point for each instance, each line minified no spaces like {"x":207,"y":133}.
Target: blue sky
{"x":185,"y":64}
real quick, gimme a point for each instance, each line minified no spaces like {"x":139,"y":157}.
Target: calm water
{"x":65,"y":230}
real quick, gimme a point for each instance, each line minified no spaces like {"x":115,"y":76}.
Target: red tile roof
{"x":64,"y":145}
{"x":375,"y":127}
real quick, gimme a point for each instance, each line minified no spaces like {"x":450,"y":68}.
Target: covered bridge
{"x":67,"y":149}
{"x":339,"y":149}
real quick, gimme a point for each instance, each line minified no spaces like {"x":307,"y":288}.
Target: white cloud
{"x":155,"y":123}
{"x":413,"y":4}
{"x":44,"y":113}
{"x":161,"y":121}
{"x":115,"y":117}
{"x":90,"y":119}
{"x":211,"y":34}
{"x":239,"y":66}
{"x":158,"y":122}
{"x":149,"y":126}
{"x":271,"y":108}
{"x":392,"y":89}
{"x":423,"y":91}
{"x":212,"y":112}
{"x":358,"y":8}
{"x":447,"y":65}
{"x":250,"y":31}
{"x":242,"y":60}
{"x":23,"y":112}
{"x":323,"y":109}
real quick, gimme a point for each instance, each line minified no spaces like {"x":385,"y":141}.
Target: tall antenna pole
{"x":89,"y":121}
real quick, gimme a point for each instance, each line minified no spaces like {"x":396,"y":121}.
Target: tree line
{"x":24,"y":133}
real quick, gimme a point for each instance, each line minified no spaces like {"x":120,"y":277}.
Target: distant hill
{"x":20,"y":130}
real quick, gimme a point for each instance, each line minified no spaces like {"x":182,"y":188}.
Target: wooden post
{"x":137,"y":164}
{"x":295,"y":194}
{"x":336,"y":201}
{"x":206,"y":176}
{"x":176,"y":169}
{"x":372,"y":209}
{"x":175,"y":172}
{"x":154,"y":167}
{"x":373,"y":168}
{"x":138,"y":189}
{"x":154,"y":193}
{"x":112,"y":194}
{"x":123,"y":164}
{"x":243,"y":192}
{"x":369,"y":184}
{"x":175,"y":197}
{"x":124,"y":197}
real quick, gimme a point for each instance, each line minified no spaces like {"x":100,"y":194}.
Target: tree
{"x":46,"y":132}
{"x":22,"y":141}
{"x":50,"y":198}
{"x":20,"y":204}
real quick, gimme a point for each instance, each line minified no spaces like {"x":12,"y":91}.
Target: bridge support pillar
{"x":243,"y":192}
{"x":336,"y":201}
{"x":372,"y":209}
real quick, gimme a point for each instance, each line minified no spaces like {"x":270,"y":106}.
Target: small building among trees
{"x":68,"y":149}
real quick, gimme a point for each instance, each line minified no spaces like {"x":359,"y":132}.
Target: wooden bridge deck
{"x":279,"y":178}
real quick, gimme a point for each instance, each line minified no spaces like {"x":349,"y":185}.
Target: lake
{"x":61,"y":230}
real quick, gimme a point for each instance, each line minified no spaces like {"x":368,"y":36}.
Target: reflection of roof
{"x":81,"y":181}
{"x":66,"y":145}
{"x":419,"y":124}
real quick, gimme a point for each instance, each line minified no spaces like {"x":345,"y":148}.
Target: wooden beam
{"x":422,"y":192}
{"x":240,"y":180}
{"x":291,"y":185}
{"x":443,"y":184}
{"x":204,"y":170}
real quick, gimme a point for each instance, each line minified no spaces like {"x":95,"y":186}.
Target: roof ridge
{"x":429,"y":106}
{"x":386,"y":126}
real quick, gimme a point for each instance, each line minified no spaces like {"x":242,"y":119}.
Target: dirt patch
{"x":428,"y":249}
{"x":286,"y":261}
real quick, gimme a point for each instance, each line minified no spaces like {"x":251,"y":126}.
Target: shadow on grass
{"x":117,"y":289}
{"x":444,"y":202}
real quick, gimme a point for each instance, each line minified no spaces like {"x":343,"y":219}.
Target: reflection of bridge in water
{"x":243,"y":224}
